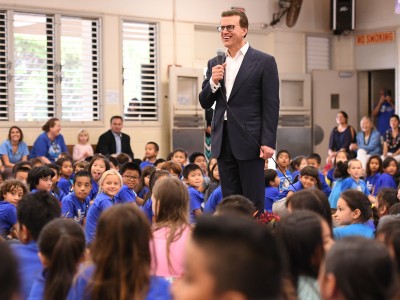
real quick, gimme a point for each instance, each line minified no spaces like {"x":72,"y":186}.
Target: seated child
{"x":21,"y":174}
{"x":150,"y":154}
{"x":236,"y":205}
{"x":55,"y":190}
{"x":297,"y":164}
{"x":390,"y":169}
{"x":373,"y":171}
{"x":272,"y":182}
{"x":314,"y":159}
{"x":308,"y":179}
{"x":130,"y":173}
{"x":193,"y":177}
{"x":282,"y":169}
{"x":40,"y":179}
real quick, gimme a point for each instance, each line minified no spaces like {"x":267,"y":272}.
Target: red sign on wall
{"x":375,"y":38}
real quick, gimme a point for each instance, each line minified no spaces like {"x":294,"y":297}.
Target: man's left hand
{"x":266,"y":152}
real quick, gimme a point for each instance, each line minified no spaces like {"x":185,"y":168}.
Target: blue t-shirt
{"x":353,"y":229}
{"x":43,"y":146}
{"x":215,"y":198}
{"x":29,"y":265}
{"x":8,"y":217}
{"x":145,"y":164}
{"x":371,"y":181}
{"x":350,"y":183}
{"x":100,"y":204}
{"x":6,"y":149}
{"x":335,"y":193}
{"x":293,"y":188}
{"x":72,"y":207}
{"x":324,"y":186}
{"x":271,"y":195}
{"x":159,"y":288}
{"x":383,"y":118}
{"x":330,"y":176}
{"x":143,"y":192}
{"x":94,"y":190}
{"x":196,"y":199}
{"x":284,"y":181}
{"x":125,"y":195}
{"x":64,"y":185}
{"x":147,"y":208}
{"x":37,"y":290}
{"x":384,"y":181}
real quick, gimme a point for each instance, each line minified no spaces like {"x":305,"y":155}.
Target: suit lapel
{"x":246,"y":68}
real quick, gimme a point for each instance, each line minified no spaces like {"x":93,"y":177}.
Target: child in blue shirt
{"x":354,"y":181}
{"x":34,"y":211}
{"x":272,"y":182}
{"x":75,"y":205}
{"x":386,"y":180}
{"x":144,"y":183}
{"x":309,"y":178}
{"x":110,"y":184}
{"x":341,"y":156}
{"x":130,"y":173}
{"x":314,"y":159}
{"x":297,"y":164}
{"x":340,"y":174}
{"x":55,"y":191}
{"x":66,"y":170}
{"x":97,"y":166}
{"x":193,"y":177}
{"x":40,"y":179}
{"x":352,"y":214}
{"x":373,"y":171}
{"x":285,"y":176}
{"x":215,"y":198}
{"x":150,"y":154}
{"x":11,"y":192}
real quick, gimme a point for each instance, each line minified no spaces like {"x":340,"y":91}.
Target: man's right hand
{"x":218,"y":73}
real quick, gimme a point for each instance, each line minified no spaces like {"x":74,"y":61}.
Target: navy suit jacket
{"x":254,"y":100}
{"x":106,"y":144}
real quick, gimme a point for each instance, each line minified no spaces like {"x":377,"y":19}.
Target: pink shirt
{"x":80,"y":151}
{"x":158,"y":249}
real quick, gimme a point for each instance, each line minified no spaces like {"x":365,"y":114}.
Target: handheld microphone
{"x":220,"y":56}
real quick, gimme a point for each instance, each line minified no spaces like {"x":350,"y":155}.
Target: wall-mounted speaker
{"x":342,"y":16}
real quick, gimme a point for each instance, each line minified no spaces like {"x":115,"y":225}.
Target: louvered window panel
{"x":33,"y":67}
{"x":318,"y":53}
{"x":140,"y":71}
{"x":79,"y":69}
{"x":4,"y":67}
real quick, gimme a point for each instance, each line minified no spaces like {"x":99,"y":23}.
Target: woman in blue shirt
{"x":13,"y":149}
{"x":49,"y":144}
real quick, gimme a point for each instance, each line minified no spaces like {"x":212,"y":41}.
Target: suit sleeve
{"x":270,"y":103}
{"x":127,"y":145}
{"x":102,"y":145}
{"x":206,"y":96}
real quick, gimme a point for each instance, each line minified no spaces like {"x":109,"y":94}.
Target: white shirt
{"x":232,"y":68}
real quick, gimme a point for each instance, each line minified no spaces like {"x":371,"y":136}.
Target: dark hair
{"x":154,"y":176}
{"x":113,"y":160}
{"x":296,"y":162}
{"x":59,"y":162}
{"x":368,"y":169}
{"x":37,"y":209}
{"x":145,"y":172}
{"x":281,"y":152}
{"x":9,"y":277}
{"x":20,"y":132}
{"x":10,"y":184}
{"x":159,"y":161}
{"x":390,"y":231}
{"x":50,"y":124}
{"x":211,"y":175}
{"x":395,"y":209}
{"x":237,"y":249}
{"x":358,"y":200}
{"x":341,"y":170}
{"x":362,"y":268}
{"x":180,"y":150}
{"x":311,"y":199}
{"x":315,"y":156}
{"x":395,"y":116}
{"x":62,"y":243}
{"x":269,"y":175}
{"x":345,"y":115}
{"x":116,"y":117}
{"x":156,"y":147}
{"x":190,"y":168}
{"x":312,"y":172}
{"x":387,"y":197}
{"x":54,"y":167}
{"x":236,"y":205}
{"x":96,"y":157}
{"x":38,"y":173}
{"x":21,"y":169}
{"x":21,"y":164}
{"x":123,"y":158}
{"x":127,"y":252}
{"x":300,"y":235}
{"x":83,"y":173}
{"x":243,"y":21}
{"x":130,"y":166}
{"x":194,"y":155}
{"x":386,"y":162}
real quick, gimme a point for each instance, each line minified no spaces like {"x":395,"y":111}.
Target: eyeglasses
{"x":230,"y":28}
{"x":131,"y":177}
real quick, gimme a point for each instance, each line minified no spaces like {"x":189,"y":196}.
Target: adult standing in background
{"x":368,"y":141}
{"x":114,"y":141}
{"x":49,"y":144}
{"x":383,"y":110}
{"x":14,"y":149}
{"x":245,"y":89}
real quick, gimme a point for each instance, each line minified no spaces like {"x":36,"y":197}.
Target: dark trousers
{"x":243,"y":177}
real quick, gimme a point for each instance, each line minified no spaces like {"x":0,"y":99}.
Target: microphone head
{"x":220,"y":56}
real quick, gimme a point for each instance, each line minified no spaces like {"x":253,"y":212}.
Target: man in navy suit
{"x":245,"y":90}
{"x":114,"y":141}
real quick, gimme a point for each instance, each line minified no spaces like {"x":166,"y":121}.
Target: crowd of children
{"x":107,"y":227}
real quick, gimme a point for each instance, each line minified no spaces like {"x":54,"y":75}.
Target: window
{"x":49,"y":67}
{"x":139,"y":46}
{"x":318,"y":53}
